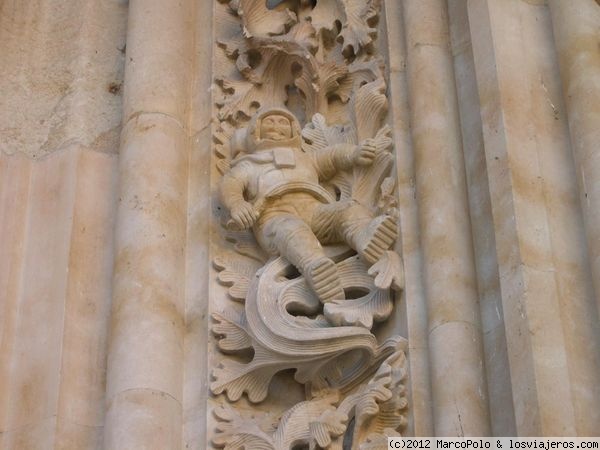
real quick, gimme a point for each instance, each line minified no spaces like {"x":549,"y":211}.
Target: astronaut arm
{"x":231,"y":193}
{"x":343,"y":157}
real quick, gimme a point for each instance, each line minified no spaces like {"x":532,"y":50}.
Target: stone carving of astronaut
{"x":273,"y":187}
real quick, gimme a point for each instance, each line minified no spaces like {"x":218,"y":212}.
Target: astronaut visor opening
{"x":275,"y":127}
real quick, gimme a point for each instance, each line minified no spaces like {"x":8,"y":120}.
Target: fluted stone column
{"x":482,"y":224}
{"x":145,"y":360}
{"x":198,"y":267}
{"x":577,"y":34}
{"x":421,"y":420}
{"x":550,"y":316}
{"x":456,"y":353}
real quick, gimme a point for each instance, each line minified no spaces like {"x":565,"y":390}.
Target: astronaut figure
{"x":273,"y":188}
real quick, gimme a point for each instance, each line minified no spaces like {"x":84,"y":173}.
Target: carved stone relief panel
{"x":307,"y":221}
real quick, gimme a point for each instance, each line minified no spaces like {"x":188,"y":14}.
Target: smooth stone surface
{"x":146,"y":347}
{"x":143,"y":419}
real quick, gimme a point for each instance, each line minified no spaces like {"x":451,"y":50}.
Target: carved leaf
{"x":259,"y":21}
{"x":318,"y":135}
{"x":378,"y":408}
{"x":329,"y":424}
{"x":325,"y":13}
{"x":302,"y":35}
{"x":390,"y":415}
{"x":388,"y":202}
{"x":231,"y":332}
{"x":236,"y":433}
{"x":379,"y":405}
{"x":282,"y":342}
{"x":240,"y":104}
{"x":388,"y":271}
{"x":235,"y":273}
{"x":311,"y":422}
{"x":368,"y":180}
{"x":238,"y":283}
{"x":233,"y":47}
{"x":235,"y":379}
{"x":222,"y":138}
{"x":360,"y":312}
{"x":356,"y":31}
{"x":369,"y":103}
{"x":356,"y":17}
{"x":318,"y":83}
{"x":370,"y":107}
{"x":374,"y":305}
{"x":267,"y":87}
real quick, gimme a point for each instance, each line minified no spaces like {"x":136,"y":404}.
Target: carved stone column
{"x":421,"y":419}
{"x":455,"y":341}
{"x":577,"y":35}
{"x":545,"y":280}
{"x":145,"y":360}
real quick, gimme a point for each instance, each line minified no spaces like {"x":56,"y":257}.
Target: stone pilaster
{"x":455,"y":343}
{"x":145,"y":359}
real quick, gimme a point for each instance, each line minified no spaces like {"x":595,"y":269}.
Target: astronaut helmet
{"x":249,"y":140}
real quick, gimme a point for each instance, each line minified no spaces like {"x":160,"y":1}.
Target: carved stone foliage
{"x":309,"y":220}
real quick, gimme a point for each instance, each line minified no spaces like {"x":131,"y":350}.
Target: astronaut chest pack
{"x":288,"y":164}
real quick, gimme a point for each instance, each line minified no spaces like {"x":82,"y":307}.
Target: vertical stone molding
{"x":482,"y":225}
{"x":61,"y":73}
{"x":145,"y":359}
{"x":198,"y":267}
{"x":455,"y":343}
{"x":577,"y":34}
{"x":545,"y":280}
{"x":421,"y":419}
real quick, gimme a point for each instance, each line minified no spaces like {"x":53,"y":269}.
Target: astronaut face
{"x":275,"y":128}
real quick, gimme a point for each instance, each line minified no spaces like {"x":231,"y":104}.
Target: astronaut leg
{"x":354,"y":224}
{"x":295,"y":241}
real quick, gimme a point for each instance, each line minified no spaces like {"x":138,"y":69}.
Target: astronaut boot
{"x":376,"y":238}
{"x":322,"y":276}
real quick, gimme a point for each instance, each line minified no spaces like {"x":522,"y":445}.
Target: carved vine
{"x":319,"y":59}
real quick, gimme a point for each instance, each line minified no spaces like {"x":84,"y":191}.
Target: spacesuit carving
{"x":273,"y":187}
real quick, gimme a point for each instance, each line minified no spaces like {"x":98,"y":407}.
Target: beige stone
{"x":63,"y":65}
{"x":195,"y":388}
{"x":36,"y":353}
{"x":525,"y":148}
{"x":87,"y":304}
{"x":146,"y":348}
{"x":413,"y":301}
{"x":301,"y":191}
{"x":15,"y":172}
{"x":148,"y":295}
{"x":143,"y":418}
{"x":471,"y":124}
{"x":448,"y":265}
{"x":576,"y":35}
{"x":158,"y":81}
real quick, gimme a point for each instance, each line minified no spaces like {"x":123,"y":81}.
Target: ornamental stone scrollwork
{"x":310,"y":219}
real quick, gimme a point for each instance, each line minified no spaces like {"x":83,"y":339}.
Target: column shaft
{"x":198,"y":267}
{"x":145,"y":360}
{"x":456,"y":355}
{"x":546,"y":286}
{"x":577,"y":34}
{"x":421,"y":419}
